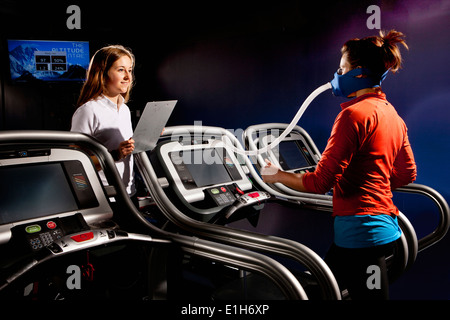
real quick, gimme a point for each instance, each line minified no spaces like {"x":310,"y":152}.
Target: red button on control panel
{"x":51,"y":225}
{"x":253,"y":195}
{"x":83,"y":237}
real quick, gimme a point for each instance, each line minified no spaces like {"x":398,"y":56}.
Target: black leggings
{"x":361,"y":271}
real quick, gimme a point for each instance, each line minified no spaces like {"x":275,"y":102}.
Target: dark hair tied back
{"x":376,"y":53}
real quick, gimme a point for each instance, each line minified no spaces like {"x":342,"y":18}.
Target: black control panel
{"x":221,"y":195}
{"x":40,"y":234}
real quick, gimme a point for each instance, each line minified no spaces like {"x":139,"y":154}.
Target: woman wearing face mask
{"x":367,"y":156}
{"x":102,"y":111}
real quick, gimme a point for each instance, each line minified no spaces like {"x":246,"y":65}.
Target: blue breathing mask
{"x":345,"y":84}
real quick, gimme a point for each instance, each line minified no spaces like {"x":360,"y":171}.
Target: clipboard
{"x":151,"y":124}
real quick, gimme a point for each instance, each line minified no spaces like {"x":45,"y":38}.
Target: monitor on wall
{"x":48,"y":61}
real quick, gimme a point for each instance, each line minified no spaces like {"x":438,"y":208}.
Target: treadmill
{"x":62,"y":239}
{"x":202,"y":187}
{"x":298,"y":153}
{"x":199,"y":186}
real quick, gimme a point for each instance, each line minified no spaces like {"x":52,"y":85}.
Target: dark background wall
{"x":237,"y":63}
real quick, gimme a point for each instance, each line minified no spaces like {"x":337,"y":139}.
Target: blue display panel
{"x":54,"y":61}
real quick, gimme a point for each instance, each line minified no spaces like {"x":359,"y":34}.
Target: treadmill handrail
{"x":444,"y":213}
{"x":245,"y":239}
{"x":238,"y":257}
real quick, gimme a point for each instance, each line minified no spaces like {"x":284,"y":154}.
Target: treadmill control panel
{"x":39,"y":236}
{"x":221,"y":195}
{"x":43,"y":233}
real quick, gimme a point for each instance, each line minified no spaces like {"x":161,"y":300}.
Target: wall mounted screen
{"x":54,"y":61}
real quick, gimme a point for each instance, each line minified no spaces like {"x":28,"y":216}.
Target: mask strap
{"x":369,"y":74}
{"x":384,"y":75}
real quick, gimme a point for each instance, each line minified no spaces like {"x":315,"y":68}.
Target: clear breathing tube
{"x":289,"y":128}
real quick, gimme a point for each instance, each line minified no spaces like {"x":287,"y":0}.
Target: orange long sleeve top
{"x":367,"y":156}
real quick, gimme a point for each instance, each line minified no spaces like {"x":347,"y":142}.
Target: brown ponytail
{"x":392,"y":56}
{"x":376,"y":53}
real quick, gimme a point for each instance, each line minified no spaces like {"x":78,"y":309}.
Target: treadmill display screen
{"x":204,"y":167}
{"x":38,"y":190}
{"x":294,"y":156}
